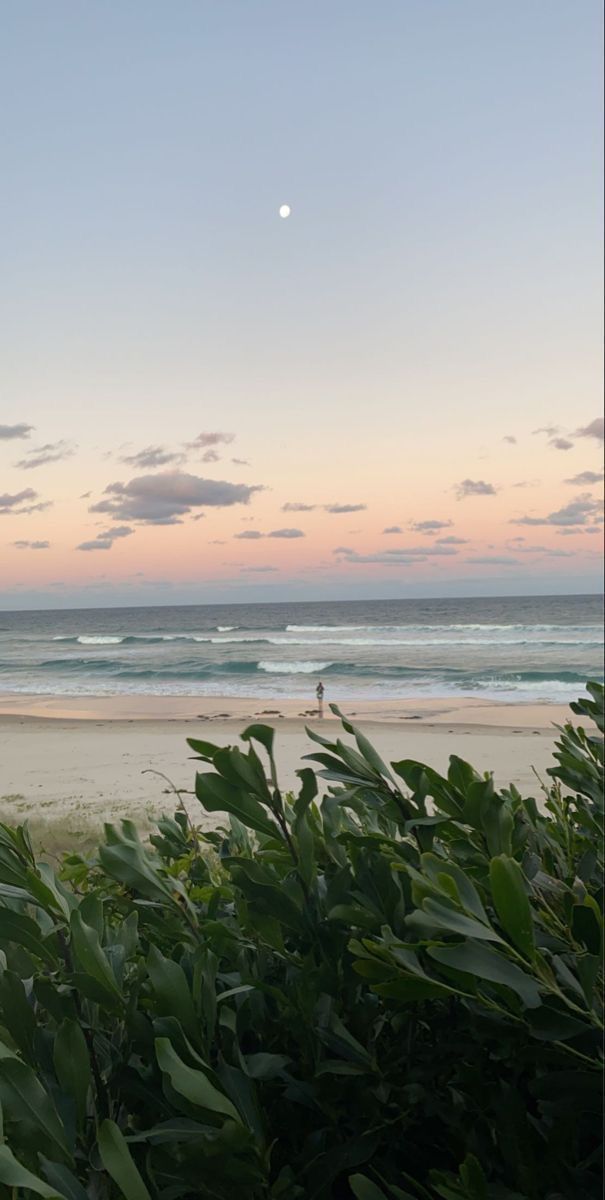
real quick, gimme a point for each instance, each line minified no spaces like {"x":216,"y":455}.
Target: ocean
{"x":515,"y":649}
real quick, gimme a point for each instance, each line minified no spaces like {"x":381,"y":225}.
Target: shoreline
{"x":132,"y":708}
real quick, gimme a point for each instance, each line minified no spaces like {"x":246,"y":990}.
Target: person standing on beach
{"x":319,"y":692}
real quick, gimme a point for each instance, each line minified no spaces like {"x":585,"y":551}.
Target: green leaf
{"x":363,"y":1188}
{"x":72,"y":1064}
{"x":172,"y":991}
{"x":205,"y":750}
{"x":192,"y":1084}
{"x":91,"y":957}
{"x":454,"y":921}
{"x":511,"y":902}
{"x":439,"y":870}
{"x":131,"y":865}
{"x":16,"y":1013}
{"x":485,"y":963}
{"x":14,"y":1175}
{"x":587,"y":925}
{"x":260,"y":733}
{"x":408,"y":988}
{"x":17,"y":928}
{"x":216,"y":795}
{"x":24,"y":1098}
{"x":63,"y":1180}
{"x":119,"y":1163}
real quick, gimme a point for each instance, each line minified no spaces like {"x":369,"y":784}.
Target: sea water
{"x":517,"y":649}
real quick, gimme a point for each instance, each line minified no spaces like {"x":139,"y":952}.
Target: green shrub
{"x":393,"y":992}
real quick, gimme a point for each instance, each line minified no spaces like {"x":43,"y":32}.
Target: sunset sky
{"x":394,"y":392}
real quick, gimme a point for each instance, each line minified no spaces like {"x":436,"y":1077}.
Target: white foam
{"x":100,"y":641}
{"x":293,"y":668}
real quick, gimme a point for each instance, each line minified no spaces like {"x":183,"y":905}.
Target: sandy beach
{"x":70,"y":763}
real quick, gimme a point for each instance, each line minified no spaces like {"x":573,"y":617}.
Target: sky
{"x":393,"y":392}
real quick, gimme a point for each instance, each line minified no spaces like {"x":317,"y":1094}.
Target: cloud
{"x":393,"y":529}
{"x":22,"y":545}
{"x":210,"y":439}
{"x":9,"y":432}
{"x":392,"y":560}
{"x":561,"y":443}
{"x":50,"y":453}
{"x":585,"y":478}
{"x":452,"y":541}
{"x":493,"y":561}
{"x":153,"y":456}
{"x":344,"y":508}
{"x":294,"y":506}
{"x":594,"y":430}
{"x":105,"y":540}
{"x":18,"y":503}
{"x":549,"y":430}
{"x":512,"y":441}
{"x":286,"y":533}
{"x":401,"y":554}
{"x":249,"y":535}
{"x":258,"y":570}
{"x":474,"y":487}
{"x":431,"y":526}
{"x":210,"y":456}
{"x":240,"y":462}
{"x":577,"y":512}
{"x":165,"y":498}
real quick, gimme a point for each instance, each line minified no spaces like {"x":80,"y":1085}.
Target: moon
{"x":284,"y":211}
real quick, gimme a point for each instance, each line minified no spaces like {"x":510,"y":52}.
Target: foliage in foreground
{"x":389,"y":993}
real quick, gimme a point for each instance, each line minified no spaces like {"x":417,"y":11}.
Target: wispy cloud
{"x":240,"y":462}
{"x":105,"y":540}
{"x":166,"y":498}
{"x":594,"y":430}
{"x":297,"y":506}
{"x":248,"y":535}
{"x":430,"y":526}
{"x":9,"y":433}
{"x":203,"y":440}
{"x":286,"y":533}
{"x":393,"y":529}
{"x":493,"y":560}
{"x":399,"y":554}
{"x":52,"y":452}
{"x":474,"y":487}
{"x":344,"y":508}
{"x":23,"y":545}
{"x":585,"y":478}
{"x":21,"y":503}
{"x":153,"y":456}
{"x":577,"y":512}
{"x":561,"y":443}
{"x":450,"y":540}
{"x":391,"y":560}
{"x":512,"y":441}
